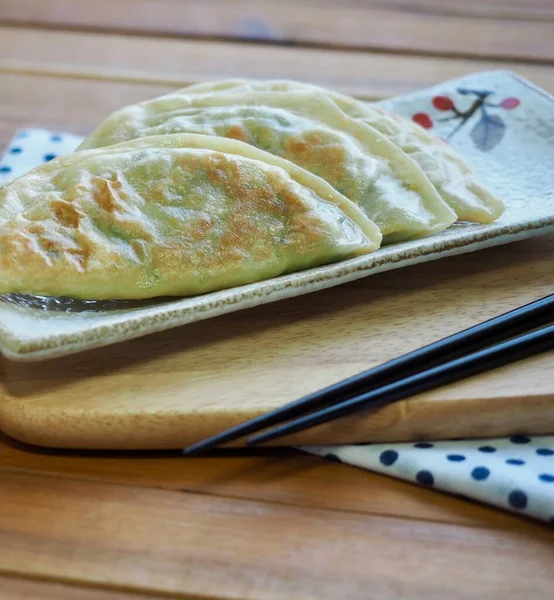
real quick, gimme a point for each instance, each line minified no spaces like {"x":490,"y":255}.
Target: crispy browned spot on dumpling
{"x":170,"y":215}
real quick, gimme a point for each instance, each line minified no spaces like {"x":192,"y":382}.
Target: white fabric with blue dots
{"x":515,"y":474}
{"x":32,"y":147}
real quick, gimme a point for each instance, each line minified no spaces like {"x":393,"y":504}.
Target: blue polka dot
{"x":5,"y":169}
{"x":49,"y":157}
{"x":546,"y":477}
{"x":488,"y":449}
{"x":455,"y":457}
{"x":16,"y":150}
{"x":515,"y":461}
{"x":480,"y":473}
{"x":545,"y":452}
{"x":518,"y":499}
{"x":21,"y":135}
{"x":425,"y":477}
{"x":423,"y":445}
{"x":56,"y":138}
{"x":388,"y":457}
{"x":520,"y":439}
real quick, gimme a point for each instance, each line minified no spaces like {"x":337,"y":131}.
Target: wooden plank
{"x":70,"y":11}
{"x":397,"y":28}
{"x":530,"y":9}
{"x":15,"y":588}
{"x":163,"y":61}
{"x":185,"y":544}
{"x":64,"y":104}
{"x":284,"y":477}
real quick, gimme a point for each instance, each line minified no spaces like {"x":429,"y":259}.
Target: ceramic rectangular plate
{"x":509,"y":143}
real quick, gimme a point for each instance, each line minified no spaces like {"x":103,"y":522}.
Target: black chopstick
{"x":499,"y":328}
{"x":490,"y":358}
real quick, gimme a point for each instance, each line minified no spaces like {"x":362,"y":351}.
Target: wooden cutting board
{"x":173,"y":388}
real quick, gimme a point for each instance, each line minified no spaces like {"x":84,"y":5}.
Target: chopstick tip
{"x":196,"y":449}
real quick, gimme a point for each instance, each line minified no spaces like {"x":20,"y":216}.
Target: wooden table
{"x":278,"y":524}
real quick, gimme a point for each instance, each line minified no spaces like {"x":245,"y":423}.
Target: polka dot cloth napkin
{"x":32,"y":147}
{"x":516,"y":474}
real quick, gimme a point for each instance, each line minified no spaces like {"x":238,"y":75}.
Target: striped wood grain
{"x":451,"y":29}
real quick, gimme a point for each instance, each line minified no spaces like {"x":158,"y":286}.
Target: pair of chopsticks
{"x":510,"y":337}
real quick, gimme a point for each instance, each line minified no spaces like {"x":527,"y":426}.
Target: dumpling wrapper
{"x":170,"y":215}
{"x":444,"y":167}
{"x":307,"y":128}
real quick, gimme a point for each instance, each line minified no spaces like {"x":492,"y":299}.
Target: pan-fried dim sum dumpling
{"x":308,"y":129}
{"x":170,"y":215}
{"x":444,"y":167}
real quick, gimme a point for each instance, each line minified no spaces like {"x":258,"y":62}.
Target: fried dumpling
{"x":308,"y":129}
{"x":444,"y":167}
{"x":170,"y":215}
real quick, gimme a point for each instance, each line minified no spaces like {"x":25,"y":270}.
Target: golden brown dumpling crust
{"x":158,"y":217}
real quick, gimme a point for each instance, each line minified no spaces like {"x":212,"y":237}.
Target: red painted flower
{"x":443,"y":103}
{"x":423,"y":119}
{"x":510,"y":103}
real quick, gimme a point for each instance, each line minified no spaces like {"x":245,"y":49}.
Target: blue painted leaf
{"x":488,"y":132}
{"x":478,"y":93}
